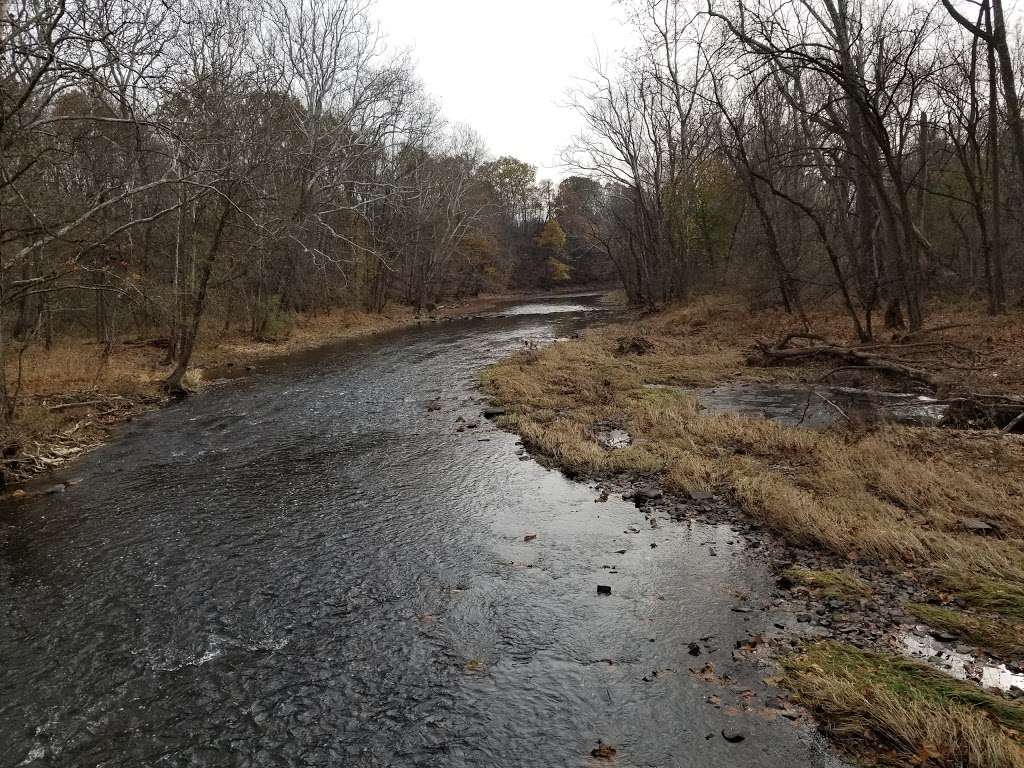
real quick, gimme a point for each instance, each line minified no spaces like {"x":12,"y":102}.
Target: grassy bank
{"x":891,"y":711}
{"x":879,"y":494}
{"x":72,"y":395}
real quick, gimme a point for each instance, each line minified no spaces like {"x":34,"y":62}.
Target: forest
{"x":214,"y":163}
{"x":172,"y":168}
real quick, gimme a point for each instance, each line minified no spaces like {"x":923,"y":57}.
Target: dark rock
{"x":604,"y":589}
{"x":976,"y":525}
{"x":700,"y":495}
{"x":944,"y":637}
{"x":645,"y":495}
{"x":493,"y":413}
{"x":784,"y":582}
{"x":694,"y":649}
{"x":54,"y":489}
{"x":530,"y":537}
{"x":804,"y":618}
{"x":733,"y":735}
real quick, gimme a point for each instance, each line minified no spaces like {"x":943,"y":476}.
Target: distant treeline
{"x":229,"y":162}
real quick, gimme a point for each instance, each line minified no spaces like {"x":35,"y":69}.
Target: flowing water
{"x":314,"y":567}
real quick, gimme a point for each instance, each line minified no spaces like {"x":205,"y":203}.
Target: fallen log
{"x":849,"y":356}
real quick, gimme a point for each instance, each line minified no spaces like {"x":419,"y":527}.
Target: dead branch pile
{"x":25,"y":454}
{"x":37,"y":456}
{"x":798,"y":348}
{"x":920,"y":363}
{"x":634,"y":345}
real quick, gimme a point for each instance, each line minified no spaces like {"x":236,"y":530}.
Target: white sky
{"x":503,"y":66}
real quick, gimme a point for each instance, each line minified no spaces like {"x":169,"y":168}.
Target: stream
{"x":315,"y":567}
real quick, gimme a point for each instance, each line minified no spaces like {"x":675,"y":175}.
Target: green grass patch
{"x":898,"y":712}
{"x":1002,"y":594}
{"x":993,"y":633}
{"x":832,"y":583}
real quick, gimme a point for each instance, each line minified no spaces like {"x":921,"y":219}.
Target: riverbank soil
{"x":925,"y":522}
{"x":73,"y":395}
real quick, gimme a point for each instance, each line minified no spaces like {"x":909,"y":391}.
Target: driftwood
{"x":80,"y":404}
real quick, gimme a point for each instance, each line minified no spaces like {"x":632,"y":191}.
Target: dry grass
{"x":71,"y":367}
{"x":889,"y":493}
{"x":306,"y":332}
{"x":901,"y":713}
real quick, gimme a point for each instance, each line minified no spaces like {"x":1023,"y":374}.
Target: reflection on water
{"x":316,"y":567}
{"x":816,"y":406}
{"x":962,"y":666}
{"x":548,"y":309}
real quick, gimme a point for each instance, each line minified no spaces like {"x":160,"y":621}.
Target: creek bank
{"x":817,"y":598}
{"x":884,"y":539}
{"x":73,"y":401}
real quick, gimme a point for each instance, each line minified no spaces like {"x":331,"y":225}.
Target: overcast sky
{"x":504,"y":67}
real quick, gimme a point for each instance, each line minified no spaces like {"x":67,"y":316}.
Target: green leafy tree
{"x":552,"y":239}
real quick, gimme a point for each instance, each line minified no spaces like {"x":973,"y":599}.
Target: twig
{"x":82,"y":404}
{"x":840,"y":410}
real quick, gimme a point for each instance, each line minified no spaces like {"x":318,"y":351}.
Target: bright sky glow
{"x":503,"y":67}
